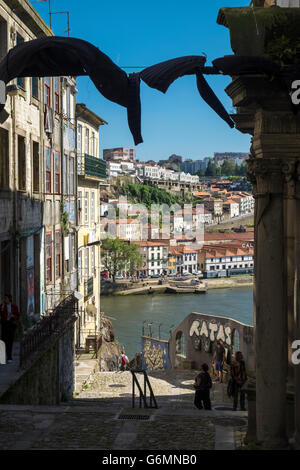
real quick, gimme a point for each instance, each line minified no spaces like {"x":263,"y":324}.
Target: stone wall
{"x":50,"y":379}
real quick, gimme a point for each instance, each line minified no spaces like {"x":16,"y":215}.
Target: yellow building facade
{"x":91,"y":172}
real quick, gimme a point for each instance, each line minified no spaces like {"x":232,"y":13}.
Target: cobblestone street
{"x":91,"y":420}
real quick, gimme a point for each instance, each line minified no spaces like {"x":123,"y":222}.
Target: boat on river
{"x":200,"y":288}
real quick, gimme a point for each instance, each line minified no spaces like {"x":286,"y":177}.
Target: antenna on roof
{"x":56,"y":13}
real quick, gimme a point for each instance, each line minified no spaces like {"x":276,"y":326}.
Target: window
{"x":72,"y":108}
{"x":48,"y":257}
{"x":79,"y":139}
{"x":79,"y":206}
{"x":57,"y":254}
{"x":87,"y":267}
{"x":48,"y":170}
{"x":4,"y":159}
{"x":35,"y":166}
{"x":56,"y":94}
{"x":35,"y":87}
{"x":86,"y":208}
{"x":3,"y":38}
{"x":71,"y":173}
{"x":47,"y":91}
{"x":80,"y":266}
{"x":92,"y":207}
{"x":93,"y":143}
{"x":57,"y":172}
{"x":72,"y":252}
{"x":65,"y":174}
{"x":93,"y":260}
{"x":20,"y":80}
{"x":87,"y":138}
{"x":180,"y":343}
{"x":21,"y":164}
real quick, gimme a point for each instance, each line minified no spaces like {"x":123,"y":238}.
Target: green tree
{"x":228,"y":167}
{"x":117,"y":256}
{"x":114,"y":255}
{"x":134,"y":258}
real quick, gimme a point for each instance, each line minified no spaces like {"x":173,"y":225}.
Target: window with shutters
{"x":48,"y":250}
{"x":21,"y":164}
{"x":35,"y":166}
{"x":48,"y":167}
{"x":47,"y":91}
{"x":57,"y":172}
{"x":57,"y":254}
{"x":4,"y":159}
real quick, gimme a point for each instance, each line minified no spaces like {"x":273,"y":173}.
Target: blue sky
{"x":139,"y":33}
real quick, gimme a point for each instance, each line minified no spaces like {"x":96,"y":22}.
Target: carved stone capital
{"x":289,"y":172}
{"x":266,"y":175}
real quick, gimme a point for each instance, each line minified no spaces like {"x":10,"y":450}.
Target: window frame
{"x":57,"y":173}
{"x":21,"y":163}
{"x":58,"y":253}
{"x":35,"y":167}
{"x":47,"y":91}
{"x":48,"y":172}
{"x":56,"y":80}
{"x":48,"y":257}
{"x":20,"y":80}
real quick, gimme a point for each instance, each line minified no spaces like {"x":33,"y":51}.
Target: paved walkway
{"x":99,"y":418}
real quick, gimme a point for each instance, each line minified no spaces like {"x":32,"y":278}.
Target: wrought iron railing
{"x":142,"y":393}
{"x":53,"y":323}
{"x":91,"y":166}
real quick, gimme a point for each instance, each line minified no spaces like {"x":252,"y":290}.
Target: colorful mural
{"x":155,"y":354}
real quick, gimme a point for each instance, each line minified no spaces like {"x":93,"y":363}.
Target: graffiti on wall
{"x":155,"y":354}
{"x":203,"y":333}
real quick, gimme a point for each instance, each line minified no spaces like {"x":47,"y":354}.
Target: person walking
{"x":124,"y":361}
{"x":9,"y":314}
{"x":239,"y":377}
{"x":203,"y":385}
{"x":219,"y":358}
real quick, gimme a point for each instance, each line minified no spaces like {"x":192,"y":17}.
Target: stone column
{"x":263,"y":110}
{"x":269,"y":307}
{"x":297,"y":309}
{"x":289,"y":168}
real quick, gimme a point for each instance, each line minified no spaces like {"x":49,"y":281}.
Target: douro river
{"x":129,"y":313}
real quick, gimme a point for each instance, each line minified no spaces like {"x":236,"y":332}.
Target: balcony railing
{"x":91,"y":166}
{"x":88,"y":288}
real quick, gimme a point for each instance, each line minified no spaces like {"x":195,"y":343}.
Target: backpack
{"x":124,"y":360}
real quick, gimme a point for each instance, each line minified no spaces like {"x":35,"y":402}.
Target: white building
{"x":217,"y":258}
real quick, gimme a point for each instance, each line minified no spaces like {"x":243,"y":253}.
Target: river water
{"x":128,"y":313}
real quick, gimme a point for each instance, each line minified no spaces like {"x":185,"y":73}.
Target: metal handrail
{"x":53,"y":323}
{"x":143,"y":394}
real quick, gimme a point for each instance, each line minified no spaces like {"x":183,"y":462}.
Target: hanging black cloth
{"x":211,"y":99}
{"x":60,"y":56}
{"x":239,"y":65}
{"x":162,"y":75}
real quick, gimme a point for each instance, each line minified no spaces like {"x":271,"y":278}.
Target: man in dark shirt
{"x":9,"y":315}
{"x":219,"y":358}
{"x":202,"y":386}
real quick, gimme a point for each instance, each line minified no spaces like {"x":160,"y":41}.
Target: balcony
{"x":89,"y":166}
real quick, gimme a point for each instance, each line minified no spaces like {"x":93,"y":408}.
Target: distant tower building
{"x":125,"y":154}
{"x":175,"y":159}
